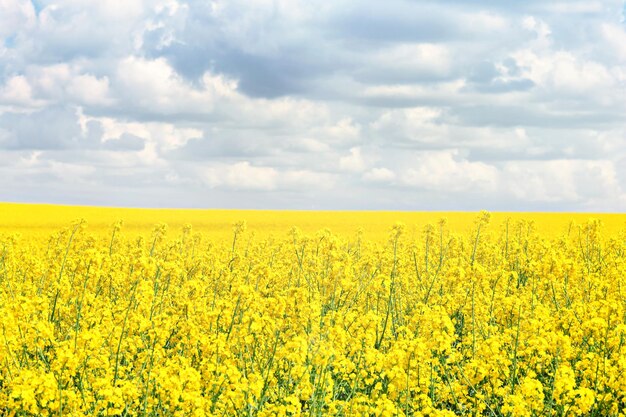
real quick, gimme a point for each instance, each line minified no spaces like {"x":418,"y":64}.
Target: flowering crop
{"x":494,"y":319}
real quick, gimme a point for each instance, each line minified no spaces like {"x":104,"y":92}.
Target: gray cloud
{"x":50,"y":128}
{"x":126,"y":142}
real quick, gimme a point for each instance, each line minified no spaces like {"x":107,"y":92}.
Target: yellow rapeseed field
{"x":258,"y":313}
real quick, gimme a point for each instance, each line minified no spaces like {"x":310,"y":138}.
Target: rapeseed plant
{"x":492,"y":320}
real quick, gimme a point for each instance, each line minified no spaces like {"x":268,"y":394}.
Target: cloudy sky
{"x":308,"y":104}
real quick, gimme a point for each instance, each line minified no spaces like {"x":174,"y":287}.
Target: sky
{"x":308,"y":104}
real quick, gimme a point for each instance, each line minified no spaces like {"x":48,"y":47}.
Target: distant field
{"x":261,"y":313}
{"x":41,"y":218}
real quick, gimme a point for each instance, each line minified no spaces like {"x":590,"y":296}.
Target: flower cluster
{"x":492,"y":320}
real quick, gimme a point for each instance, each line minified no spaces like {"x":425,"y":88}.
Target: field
{"x":260,"y":313}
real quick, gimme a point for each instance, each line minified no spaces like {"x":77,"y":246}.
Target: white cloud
{"x":615,"y":36}
{"x":574,"y":6}
{"x":16,"y":15}
{"x":58,"y":83}
{"x":308,"y":145}
{"x":538,"y":26}
{"x":245,"y":176}
{"x":342,"y":131}
{"x":116,"y":10}
{"x":426,"y":92}
{"x":242,"y":176}
{"x":414,"y":59}
{"x":565,"y":72}
{"x":153,"y":85}
{"x":417,"y":124}
{"x":90,"y":90}
{"x":282,"y":113}
{"x":17,"y":91}
{"x":86,"y":28}
{"x":50,"y":80}
{"x":166,"y":135}
{"x":488,"y":21}
{"x":353,"y":162}
{"x":443,"y":171}
{"x":298,"y":179}
{"x":561,"y":180}
{"x":381,"y":175}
